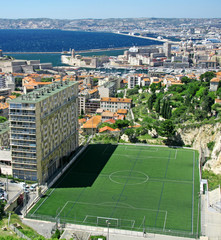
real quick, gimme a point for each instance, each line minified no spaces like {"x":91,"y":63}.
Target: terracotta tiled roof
{"x":215,"y":80}
{"x":82,"y":120}
{"x":122,"y":111}
{"x":107,"y":128}
{"x":12,"y":96}
{"x":112,"y":121}
{"x":93,"y":122}
{"x":107,"y":114}
{"x":122,"y":100}
{"x":4,"y":105}
{"x":218,"y":100}
{"x":120,"y":117}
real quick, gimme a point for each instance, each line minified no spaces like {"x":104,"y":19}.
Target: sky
{"x":79,"y":9}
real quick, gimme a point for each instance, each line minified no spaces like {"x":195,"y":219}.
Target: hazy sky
{"x":75,"y":9}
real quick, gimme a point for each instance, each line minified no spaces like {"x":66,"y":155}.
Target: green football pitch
{"x":134,"y":187}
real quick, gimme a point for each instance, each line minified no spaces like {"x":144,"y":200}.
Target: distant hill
{"x":110,"y":24}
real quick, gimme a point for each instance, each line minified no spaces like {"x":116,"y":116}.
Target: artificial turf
{"x":134,"y":187}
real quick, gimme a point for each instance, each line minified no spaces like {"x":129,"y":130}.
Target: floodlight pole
{"x":108,"y":233}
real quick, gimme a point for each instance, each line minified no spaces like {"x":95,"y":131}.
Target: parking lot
{"x":11,"y":189}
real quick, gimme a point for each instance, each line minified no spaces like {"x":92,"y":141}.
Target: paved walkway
{"x":42,"y":227}
{"x":83,"y":232}
{"x":211,"y":221}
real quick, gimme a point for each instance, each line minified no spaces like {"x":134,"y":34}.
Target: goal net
{"x":112,"y":222}
{"x":109,"y":222}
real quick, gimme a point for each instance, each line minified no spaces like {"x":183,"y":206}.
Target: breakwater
{"x":80,"y":51}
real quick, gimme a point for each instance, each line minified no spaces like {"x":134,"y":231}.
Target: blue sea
{"x":59,"y":40}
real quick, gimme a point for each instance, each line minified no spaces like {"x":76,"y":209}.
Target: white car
{"x":33,"y":187}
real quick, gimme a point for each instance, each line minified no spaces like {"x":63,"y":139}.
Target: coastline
{"x":80,"y":51}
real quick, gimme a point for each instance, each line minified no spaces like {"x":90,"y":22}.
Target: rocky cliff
{"x":198,"y":138}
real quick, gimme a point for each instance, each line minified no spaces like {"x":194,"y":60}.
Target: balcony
{"x":23,"y":144}
{"x":32,"y":168}
{"x":21,"y":114}
{"x":33,"y":126}
{"x":22,"y":138}
{"x":22,"y":132}
{"x":20,"y":119}
{"x":24,"y":162}
{"x":28,"y":156}
{"x":23,"y":150}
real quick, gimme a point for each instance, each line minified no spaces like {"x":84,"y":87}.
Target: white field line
{"x":143,"y":158}
{"x":193,"y":190}
{"x":150,"y":179}
{"x":164,"y":225}
{"x":85,"y":218}
{"x":143,"y":150}
{"x":169,"y":180}
{"x":42,"y":202}
{"x":63,"y":208}
{"x":142,"y":223}
{"x":133,"y":223}
{"x":105,"y":150}
{"x":158,"y":146}
{"x":176,"y":154}
{"x":108,"y":204}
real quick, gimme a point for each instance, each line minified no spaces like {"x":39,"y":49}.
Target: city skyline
{"x":67,"y":9}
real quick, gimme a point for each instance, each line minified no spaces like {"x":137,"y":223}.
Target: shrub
{"x":210,"y":145}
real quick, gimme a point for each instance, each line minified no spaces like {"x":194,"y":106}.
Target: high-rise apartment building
{"x":167,"y":49}
{"x":44,"y":130}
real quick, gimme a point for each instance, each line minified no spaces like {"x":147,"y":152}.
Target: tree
{"x":18,"y":82}
{"x":207,"y":76}
{"x":200,"y":115}
{"x":166,"y":110}
{"x":153,"y":87}
{"x":132,"y":91}
{"x":167,"y":128}
{"x":3,"y":119}
{"x":157,"y":105}
{"x":16,"y":94}
{"x":121,"y":124}
{"x":186,"y":80}
{"x":207,"y":103}
{"x":151,"y":101}
{"x":179,"y":112}
{"x":2,"y":213}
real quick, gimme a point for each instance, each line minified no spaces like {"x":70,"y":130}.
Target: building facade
{"x":114,"y":104}
{"x":4,"y":135}
{"x":44,"y":130}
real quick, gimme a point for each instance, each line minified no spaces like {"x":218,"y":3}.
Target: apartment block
{"x":4,"y":135}
{"x":114,"y":104}
{"x":44,"y":130}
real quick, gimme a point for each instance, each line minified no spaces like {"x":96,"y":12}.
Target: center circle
{"x":128,"y":177}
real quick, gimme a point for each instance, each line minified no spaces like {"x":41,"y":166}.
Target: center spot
{"x":128,"y":177}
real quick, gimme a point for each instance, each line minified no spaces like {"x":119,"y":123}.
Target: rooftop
{"x":106,"y":99}
{"x":93,"y":122}
{"x":43,"y":93}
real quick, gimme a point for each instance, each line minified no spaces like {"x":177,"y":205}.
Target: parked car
{"x":2,"y":184}
{"x":33,"y":187}
{"x":26,"y":190}
{"x":24,"y":185}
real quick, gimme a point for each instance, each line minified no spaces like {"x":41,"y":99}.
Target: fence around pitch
{"x":127,"y":231}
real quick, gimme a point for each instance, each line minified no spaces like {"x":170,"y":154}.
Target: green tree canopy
{"x":207,"y":76}
{"x":167,"y":128}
